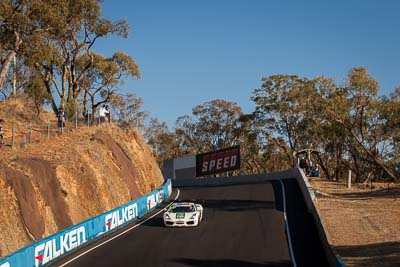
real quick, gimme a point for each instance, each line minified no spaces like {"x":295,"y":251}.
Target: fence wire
{"x":21,"y":136}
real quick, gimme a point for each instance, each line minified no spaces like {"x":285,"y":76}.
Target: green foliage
{"x":55,"y":38}
{"x":214,"y":125}
{"x":36,"y":90}
{"x":349,"y":125}
{"x":128,"y":111}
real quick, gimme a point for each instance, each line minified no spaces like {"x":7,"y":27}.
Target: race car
{"x":181,"y":214}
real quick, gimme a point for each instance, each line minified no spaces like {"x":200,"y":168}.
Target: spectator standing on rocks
{"x":62,"y":120}
{"x":303,"y":164}
{"x":102,"y":114}
{"x":1,"y":133}
{"x":108,"y":113}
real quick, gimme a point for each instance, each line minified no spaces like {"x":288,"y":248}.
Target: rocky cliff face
{"x":54,"y":184}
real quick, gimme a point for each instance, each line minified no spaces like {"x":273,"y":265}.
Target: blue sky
{"x":191,"y":51}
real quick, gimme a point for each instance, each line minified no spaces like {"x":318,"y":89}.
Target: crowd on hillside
{"x":104,"y":115}
{"x":309,"y":168}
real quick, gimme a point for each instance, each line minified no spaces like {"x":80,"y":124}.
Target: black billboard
{"x":223,"y":160}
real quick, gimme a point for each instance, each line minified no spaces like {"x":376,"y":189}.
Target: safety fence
{"x":54,"y":247}
{"x":23,"y":135}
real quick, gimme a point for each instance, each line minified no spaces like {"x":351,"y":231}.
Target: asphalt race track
{"x":243,"y":225}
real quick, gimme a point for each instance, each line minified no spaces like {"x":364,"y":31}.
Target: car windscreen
{"x":178,"y":209}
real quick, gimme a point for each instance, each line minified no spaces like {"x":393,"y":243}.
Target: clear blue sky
{"x":190,"y":52}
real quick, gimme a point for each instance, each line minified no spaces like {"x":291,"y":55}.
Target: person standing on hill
{"x":108,"y":113}
{"x":1,"y":132}
{"x":102,"y":114}
{"x":62,"y":120}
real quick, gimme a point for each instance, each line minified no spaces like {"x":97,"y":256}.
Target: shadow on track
{"x":378,"y":254}
{"x":155,"y":222}
{"x":228,"y":263}
{"x":236,"y":204}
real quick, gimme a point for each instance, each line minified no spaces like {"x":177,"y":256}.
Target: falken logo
{"x":59,"y":245}
{"x":155,"y":199}
{"x":5,"y":265}
{"x":151,"y":202}
{"x":121,"y":216}
{"x":160,"y":196}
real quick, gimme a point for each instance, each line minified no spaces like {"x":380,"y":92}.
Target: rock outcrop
{"x":48,"y":186}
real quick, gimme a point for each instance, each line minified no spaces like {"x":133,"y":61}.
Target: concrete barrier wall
{"x":310,"y":199}
{"x":288,"y":174}
{"x":179,"y":168}
{"x":54,"y":247}
{"x":294,"y":173}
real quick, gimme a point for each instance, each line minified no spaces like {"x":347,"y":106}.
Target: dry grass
{"x":363,"y":223}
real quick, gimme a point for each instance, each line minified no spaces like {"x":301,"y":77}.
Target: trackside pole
{"x":349,"y":180}
{"x":13,"y":138}
{"x":48,"y":129}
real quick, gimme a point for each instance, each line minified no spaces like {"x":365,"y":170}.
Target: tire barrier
{"x":54,"y":247}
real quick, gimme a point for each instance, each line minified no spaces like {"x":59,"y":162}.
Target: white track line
{"x":114,"y":237}
{"x":287,"y":226}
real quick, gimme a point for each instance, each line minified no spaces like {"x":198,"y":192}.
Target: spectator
{"x":62,"y":120}
{"x":303,"y":164}
{"x":102,"y":114}
{"x":307,"y":167}
{"x":108,"y":113}
{"x":315,"y":171}
{"x":1,"y":132}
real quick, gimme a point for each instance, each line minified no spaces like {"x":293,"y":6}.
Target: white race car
{"x":182,"y":214}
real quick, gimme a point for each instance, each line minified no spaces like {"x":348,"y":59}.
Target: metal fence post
{"x":30,"y":135}
{"x":349,"y":179}
{"x":12,"y":138}
{"x":48,"y":128}
{"x":62,"y":124}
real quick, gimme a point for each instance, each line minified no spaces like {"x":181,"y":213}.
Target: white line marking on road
{"x":287,"y":226}
{"x":124,"y":232}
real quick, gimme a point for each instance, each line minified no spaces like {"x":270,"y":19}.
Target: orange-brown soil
{"x":363,"y":223}
{"x":49,"y":185}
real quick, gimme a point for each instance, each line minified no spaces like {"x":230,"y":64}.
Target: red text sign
{"x":227,"y":159}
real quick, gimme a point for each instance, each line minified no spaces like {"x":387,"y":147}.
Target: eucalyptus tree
{"x":73,"y":27}
{"x":128,"y":111}
{"x":213,"y":125}
{"x":102,"y":79}
{"x":283,"y":106}
{"x":19,"y":21}
{"x":165,"y":143}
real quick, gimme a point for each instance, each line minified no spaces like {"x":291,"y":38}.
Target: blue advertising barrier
{"x":47,"y":250}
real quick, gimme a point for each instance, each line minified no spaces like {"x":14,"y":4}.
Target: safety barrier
{"x":51,"y":248}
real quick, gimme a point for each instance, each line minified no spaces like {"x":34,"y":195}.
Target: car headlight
{"x":193,"y":216}
{"x":167,"y":216}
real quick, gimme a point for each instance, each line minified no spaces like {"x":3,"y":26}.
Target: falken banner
{"x":54,"y":247}
{"x":223,"y":160}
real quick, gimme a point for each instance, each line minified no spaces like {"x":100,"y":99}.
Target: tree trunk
{"x":7,"y":61}
{"x":4,"y":67}
{"x":323,"y":167}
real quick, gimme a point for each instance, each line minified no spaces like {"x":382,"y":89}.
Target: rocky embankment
{"x":48,"y":186}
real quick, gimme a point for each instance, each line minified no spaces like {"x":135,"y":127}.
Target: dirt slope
{"x":363,"y":223}
{"x":64,"y":180}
